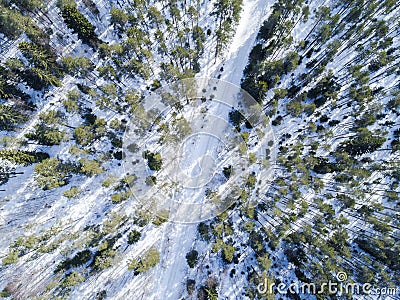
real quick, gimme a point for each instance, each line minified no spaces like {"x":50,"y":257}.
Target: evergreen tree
{"x":90,"y":167}
{"x":10,"y":117}
{"x":53,"y":173}
{"x":23,"y":157}
{"x":154,"y":160}
{"x":191,"y":258}
{"x":78,"y":22}
{"x":144,"y":263}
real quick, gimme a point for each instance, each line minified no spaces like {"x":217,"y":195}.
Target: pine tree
{"x":10,"y":117}
{"x":78,"y":22}
{"x":28,"y":5}
{"x":46,"y":135}
{"x":147,"y":261}
{"x":118,"y":18}
{"x":90,"y":167}
{"x":53,"y":173}
{"x":154,"y":160}
{"x":23,"y":157}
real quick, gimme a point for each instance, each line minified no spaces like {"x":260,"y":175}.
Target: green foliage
{"x":77,"y":65}
{"x":362,"y":94}
{"x":192,"y":257}
{"x":361,"y":77}
{"x":324,"y":32}
{"x":11,"y":258}
{"x":256,"y":241}
{"x":10,"y":117}
{"x":392,"y":195}
{"x":39,"y":78}
{"x":272,"y":70}
{"x":181,"y":129}
{"x":338,"y":241}
{"x":72,"y":192}
{"x":73,"y":279}
{"x":295,"y":108}
{"x":105,"y":253}
{"x":118,"y":18}
{"x":103,"y":259}
{"x":117,"y":125}
{"x":110,"y":90}
{"x":151,"y":180}
{"x":46,"y":135}
{"x":269,"y":26}
{"x":23,"y":157}
{"x":77,"y":21}
{"x":90,"y":167}
{"x":71,"y":106}
{"x":127,"y":181}
{"x":346,"y":200}
{"x":124,"y":192}
{"x":280,"y":93}
{"x":53,"y":173}
{"x":109,"y":181}
{"x":39,"y":56}
{"x":47,"y":132}
{"x":5,"y":293}
{"x":113,"y":223}
{"x":12,"y":22}
{"x":277,"y":121}
{"x":43,"y":69}
{"x":228,"y":252}
{"x":154,"y":160}
{"x":236,"y":118}
{"x":28,"y":5}
{"x":380,"y":226}
{"x":290,"y":62}
{"x":79,"y":259}
{"x":249,"y":226}
{"x":121,"y":196}
{"x":26,"y":242}
{"x":394,"y":103}
{"x":227,"y":171}
{"x":133,"y":237}
{"x":209,"y":291}
{"x":227,"y":14}
{"x":378,"y":63}
{"x":251,"y":181}
{"x":161,"y":217}
{"x":83,"y":135}
{"x":383,"y":250}
{"x":309,"y":108}
{"x":325,"y":90}
{"x":255,"y":87}
{"x":363,"y":142}
{"x":204,"y":231}
{"x":87,"y":134}
{"x":264,"y":261}
{"x":145,"y":262}
{"x":323,"y":13}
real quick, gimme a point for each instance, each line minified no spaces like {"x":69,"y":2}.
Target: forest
{"x":74,"y":73}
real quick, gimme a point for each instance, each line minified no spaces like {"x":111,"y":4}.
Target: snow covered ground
{"x":174,"y":240}
{"x":168,"y":280}
{"x":25,"y":209}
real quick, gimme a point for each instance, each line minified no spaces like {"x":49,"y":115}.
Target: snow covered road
{"x":168,"y":281}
